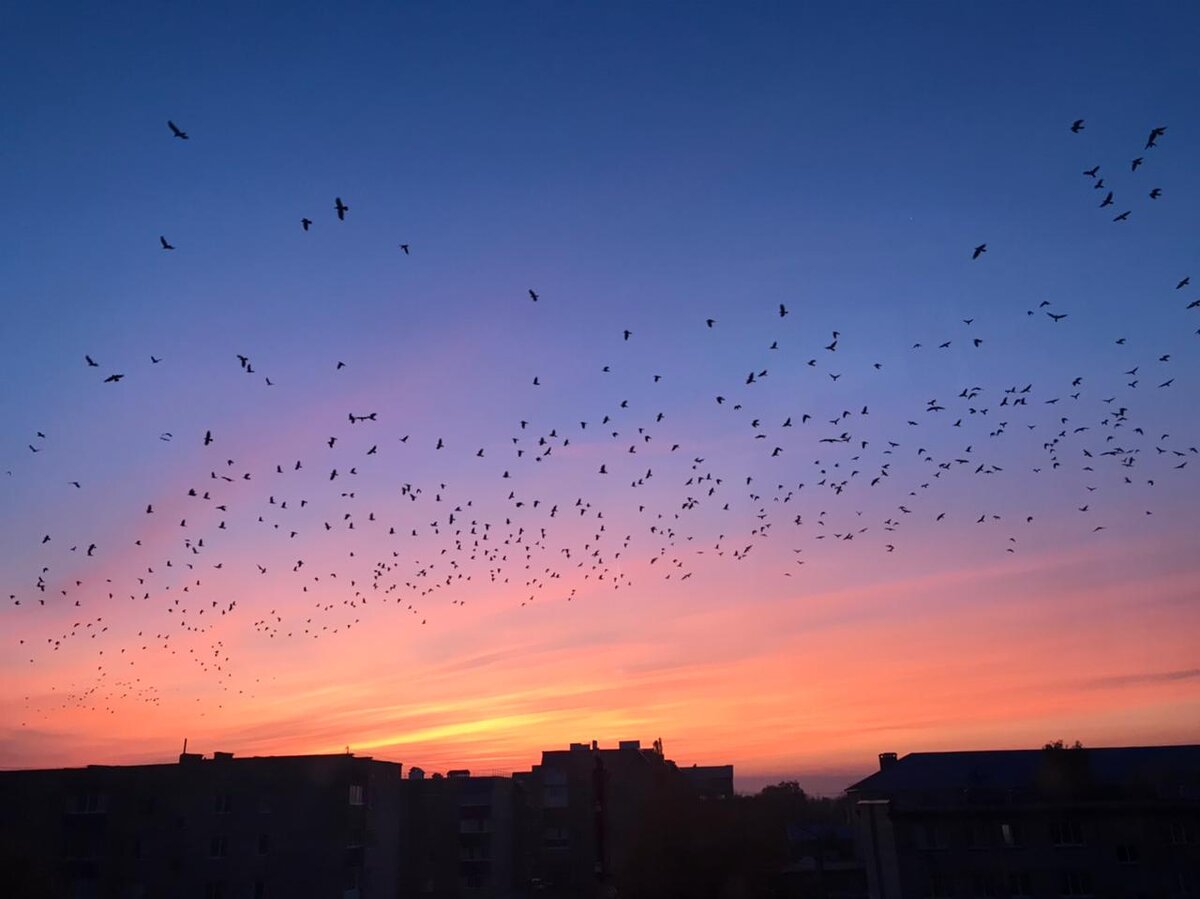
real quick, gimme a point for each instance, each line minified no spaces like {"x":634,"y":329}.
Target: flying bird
{"x":166,"y":246}
{"x":1108,"y":201}
{"x":1155,"y":134}
{"x":979,"y":251}
{"x":1124,"y":215}
{"x":112,"y":379}
{"x":1156,"y":193}
{"x":1133,"y":166}
{"x":533,"y":295}
{"x":92,"y":363}
{"x":1092,"y":172}
{"x":175,"y":130}
{"x":305,"y":223}
{"x":1077,"y":126}
{"x":341,"y":209}
{"x":404,"y":247}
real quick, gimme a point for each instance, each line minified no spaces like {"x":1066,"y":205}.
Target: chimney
{"x":886,"y":760}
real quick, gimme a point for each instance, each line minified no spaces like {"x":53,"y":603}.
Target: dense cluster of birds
{"x":812,"y":465}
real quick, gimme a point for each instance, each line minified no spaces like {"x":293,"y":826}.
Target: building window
{"x":358,"y":794}
{"x":260,"y":890}
{"x":1128,"y":854}
{"x":554,"y":788}
{"x":1020,"y":884}
{"x":89,"y":803}
{"x":1076,"y":883}
{"x":933,"y":836}
{"x":556,"y":838}
{"x":1179,"y":834}
{"x":214,"y":890}
{"x":1011,"y":835}
{"x":222,"y":804}
{"x":1066,"y":833}
{"x":216,"y":847}
{"x":985,"y":885}
{"x":137,"y":847}
{"x":264,"y":844}
{"x":939,"y":886}
{"x":979,"y":835}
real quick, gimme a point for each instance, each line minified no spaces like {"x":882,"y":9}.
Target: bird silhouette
{"x":1077,"y":126}
{"x":341,"y":209}
{"x":166,"y":246}
{"x":979,"y":251}
{"x":182,"y":135}
{"x":305,"y":223}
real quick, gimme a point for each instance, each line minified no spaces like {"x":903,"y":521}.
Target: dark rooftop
{"x":1026,"y":769}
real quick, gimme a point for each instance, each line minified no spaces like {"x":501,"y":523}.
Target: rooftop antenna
{"x":185,"y":745}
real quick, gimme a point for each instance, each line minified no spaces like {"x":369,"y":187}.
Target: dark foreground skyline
{"x":606,"y":821}
{"x":443,"y":380}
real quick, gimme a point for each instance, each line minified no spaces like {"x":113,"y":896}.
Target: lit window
{"x":358,"y":794}
{"x":1011,"y":835}
{"x":216,"y":847}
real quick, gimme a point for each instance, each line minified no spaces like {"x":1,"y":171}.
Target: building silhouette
{"x":341,"y":826}
{"x":219,"y":828}
{"x":1055,"y":822}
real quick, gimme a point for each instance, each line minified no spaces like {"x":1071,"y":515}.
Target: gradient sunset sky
{"x":941,"y":519}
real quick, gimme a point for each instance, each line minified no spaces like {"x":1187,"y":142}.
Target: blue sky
{"x":641,"y":166}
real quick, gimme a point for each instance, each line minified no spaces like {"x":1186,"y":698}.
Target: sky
{"x":776,"y":467}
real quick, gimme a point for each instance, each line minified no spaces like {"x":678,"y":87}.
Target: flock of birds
{"x":643,"y":503}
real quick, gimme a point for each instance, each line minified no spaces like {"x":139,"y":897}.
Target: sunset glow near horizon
{"x":915,"y":512}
